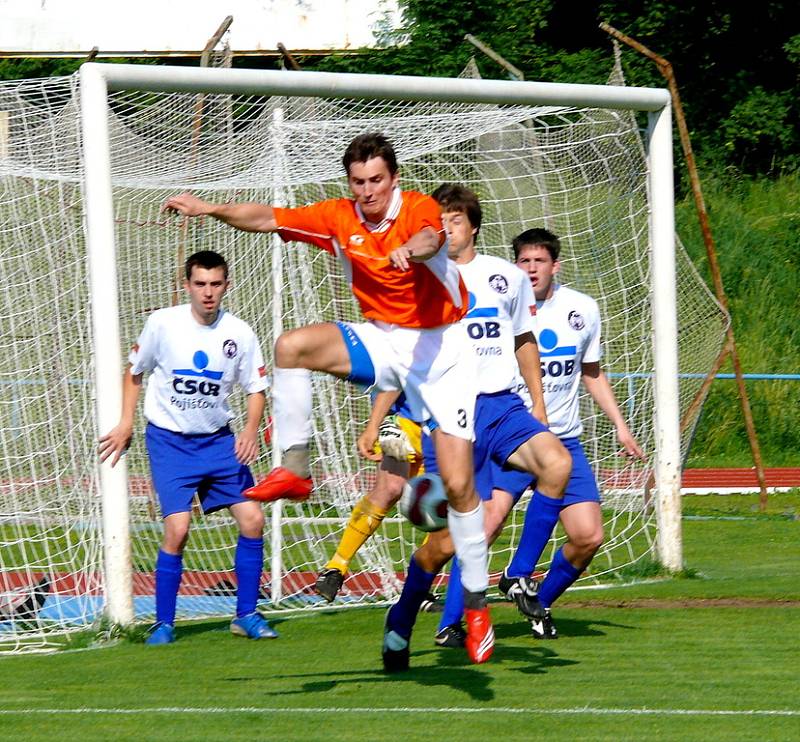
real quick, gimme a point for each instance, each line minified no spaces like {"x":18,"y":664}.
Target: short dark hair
{"x":366,"y":146}
{"x":538,"y":238}
{"x":455,"y":197}
{"x":207,"y":259}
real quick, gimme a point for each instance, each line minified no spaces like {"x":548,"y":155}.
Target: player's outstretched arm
{"x":249,"y":217}
{"x":420,"y":247}
{"x":527,"y":353}
{"x":380,"y":408}
{"x":596,"y":383}
{"x":247,"y":441}
{"x":116,"y":441}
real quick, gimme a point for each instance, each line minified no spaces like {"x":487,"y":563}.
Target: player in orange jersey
{"x":389,"y":244}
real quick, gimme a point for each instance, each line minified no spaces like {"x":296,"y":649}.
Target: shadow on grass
{"x":567,"y":628}
{"x":430,"y":668}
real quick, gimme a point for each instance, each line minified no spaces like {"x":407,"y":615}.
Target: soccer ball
{"x":424,"y":502}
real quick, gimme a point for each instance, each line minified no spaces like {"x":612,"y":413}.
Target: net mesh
{"x":579,"y":172}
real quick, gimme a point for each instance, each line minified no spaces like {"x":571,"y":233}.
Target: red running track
{"x":740,"y":479}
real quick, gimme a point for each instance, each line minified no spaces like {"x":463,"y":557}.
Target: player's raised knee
{"x":558,"y":464}
{"x":251,"y":521}
{"x":460,"y":488}
{"x":288,"y":349}
{"x":589,"y":542}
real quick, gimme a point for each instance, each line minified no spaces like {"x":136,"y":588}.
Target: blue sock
{"x":403,"y":614}
{"x":248,"y":563}
{"x":454,"y":598}
{"x":540,"y":520}
{"x":559,"y":577}
{"x":169,"y":568}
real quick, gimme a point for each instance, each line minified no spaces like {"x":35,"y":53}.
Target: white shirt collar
{"x":391,"y":213}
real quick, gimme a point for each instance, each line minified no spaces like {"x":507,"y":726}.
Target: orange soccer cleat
{"x":480,"y":634}
{"x":280,"y":483}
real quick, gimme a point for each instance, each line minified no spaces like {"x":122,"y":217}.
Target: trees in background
{"x":738,"y":66}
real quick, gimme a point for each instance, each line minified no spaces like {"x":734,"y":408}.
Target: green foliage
{"x":740,"y":101}
{"x":28,"y":69}
{"x":758,"y":134}
{"x":737,"y":69}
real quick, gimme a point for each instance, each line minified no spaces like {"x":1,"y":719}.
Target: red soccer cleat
{"x":480,"y":634}
{"x":280,"y":483}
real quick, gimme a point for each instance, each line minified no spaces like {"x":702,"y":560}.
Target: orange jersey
{"x":429,"y":294}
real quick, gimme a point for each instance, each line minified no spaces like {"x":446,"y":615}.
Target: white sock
{"x":291,"y":406}
{"x":472,"y":551}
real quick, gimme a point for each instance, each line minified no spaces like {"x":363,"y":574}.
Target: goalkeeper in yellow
{"x":392,"y":438}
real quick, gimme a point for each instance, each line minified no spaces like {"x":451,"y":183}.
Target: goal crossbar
{"x":97,"y":80}
{"x":376,"y":87}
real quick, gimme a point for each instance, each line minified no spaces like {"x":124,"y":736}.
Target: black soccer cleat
{"x":395,"y":650}
{"x":524,"y":592}
{"x":328,"y":583}
{"x":544,"y":628}
{"x":452,"y":636}
{"x":431,"y":604}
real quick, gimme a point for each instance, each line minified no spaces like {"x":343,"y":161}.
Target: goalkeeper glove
{"x":393,"y":440}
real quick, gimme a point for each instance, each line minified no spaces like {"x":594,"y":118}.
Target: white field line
{"x":577,"y":711}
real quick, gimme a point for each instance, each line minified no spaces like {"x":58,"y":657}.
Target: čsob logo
{"x":478,"y":330}
{"x":192,"y":385}
{"x":549,"y":348}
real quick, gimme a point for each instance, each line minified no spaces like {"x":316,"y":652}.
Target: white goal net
{"x":579,"y":172}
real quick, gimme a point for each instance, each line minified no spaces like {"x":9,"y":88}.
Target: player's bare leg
{"x":298,"y":352}
{"x":544,"y":456}
{"x":365,"y":519}
{"x":583,"y":525}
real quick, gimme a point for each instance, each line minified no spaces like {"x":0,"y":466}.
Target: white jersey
{"x":194,"y":368}
{"x":568,"y":334}
{"x":501,"y":305}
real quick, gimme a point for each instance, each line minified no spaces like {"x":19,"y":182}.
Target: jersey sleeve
{"x":251,"y":372}
{"x":424,"y":211}
{"x":143,"y":354}
{"x":523,"y":308}
{"x":313,"y":224}
{"x":593,"y":350}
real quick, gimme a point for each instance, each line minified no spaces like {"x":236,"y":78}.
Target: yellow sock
{"x":364,"y":521}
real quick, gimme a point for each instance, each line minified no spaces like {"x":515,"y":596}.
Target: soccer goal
{"x":85,"y":163}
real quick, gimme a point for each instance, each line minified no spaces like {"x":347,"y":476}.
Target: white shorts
{"x":435,"y":367}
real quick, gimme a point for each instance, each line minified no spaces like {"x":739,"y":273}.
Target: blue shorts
{"x":502,"y":425}
{"x":582,"y":486}
{"x":184,"y":464}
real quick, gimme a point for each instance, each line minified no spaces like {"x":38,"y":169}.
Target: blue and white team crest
{"x":576,"y":321}
{"x":499,"y":283}
{"x":230,"y":349}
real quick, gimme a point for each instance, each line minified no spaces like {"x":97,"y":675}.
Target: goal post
{"x":99,"y":79}
{"x":87,"y":160}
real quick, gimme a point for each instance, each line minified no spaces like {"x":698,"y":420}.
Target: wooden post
{"x":288,"y":59}
{"x":711,"y":252}
{"x":515,"y":73}
{"x":197,"y":126}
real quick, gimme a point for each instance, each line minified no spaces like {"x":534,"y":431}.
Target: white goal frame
{"x":97,"y":80}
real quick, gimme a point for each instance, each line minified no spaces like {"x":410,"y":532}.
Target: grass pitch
{"x":711,"y":657}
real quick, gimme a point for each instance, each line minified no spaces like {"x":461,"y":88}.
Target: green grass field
{"x":712,"y":656}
